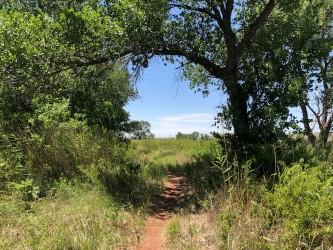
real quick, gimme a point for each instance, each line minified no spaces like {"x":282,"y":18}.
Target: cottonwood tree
{"x":214,"y":37}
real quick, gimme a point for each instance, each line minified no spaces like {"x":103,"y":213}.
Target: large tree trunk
{"x":240,"y":118}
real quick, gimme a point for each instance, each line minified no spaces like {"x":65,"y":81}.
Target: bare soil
{"x":175,"y":189}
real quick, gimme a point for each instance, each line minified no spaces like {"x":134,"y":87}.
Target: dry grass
{"x":195,"y":231}
{"x":235,"y":220}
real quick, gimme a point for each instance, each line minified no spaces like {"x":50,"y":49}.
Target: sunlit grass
{"x":166,"y":152}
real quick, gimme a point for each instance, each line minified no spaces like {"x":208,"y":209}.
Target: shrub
{"x":304,"y":199}
{"x":11,"y":167}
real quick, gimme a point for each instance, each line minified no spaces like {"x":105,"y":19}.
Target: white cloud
{"x":186,"y":123}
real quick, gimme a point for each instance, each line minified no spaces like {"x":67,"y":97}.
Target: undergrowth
{"x":99,"y":197}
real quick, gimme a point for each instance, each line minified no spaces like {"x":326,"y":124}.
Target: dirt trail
{"x":174,"y":191}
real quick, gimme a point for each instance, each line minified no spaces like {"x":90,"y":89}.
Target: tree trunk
{"x":323,"y":136}
{"x":306,"y":123}
{"x":325,"y":131}
{"x":239,"y":115}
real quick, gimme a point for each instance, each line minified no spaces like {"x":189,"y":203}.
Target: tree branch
{"x":306,"y":123}
{"x":317,"y":117}
{"x":88,"y":62}
{"x":224,"y":21}
{"x":229,"y":6}
{"x":255,"y":26}
{"x":211,"y":67}
{"x":328,"y":124}
{"x":196,"y":9}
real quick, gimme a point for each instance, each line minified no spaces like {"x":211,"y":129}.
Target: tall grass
{"x":77,"y":217}
{"x":72,"y":188}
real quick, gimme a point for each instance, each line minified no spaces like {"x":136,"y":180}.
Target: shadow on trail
{"x":129,"y":188}
{"x":185,"y":186}
{"x":176,"y":192}
{"x":201,"y":179}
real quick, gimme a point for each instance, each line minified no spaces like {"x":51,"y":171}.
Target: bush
{"x":304,"y":199}
{"x":27,"y":189}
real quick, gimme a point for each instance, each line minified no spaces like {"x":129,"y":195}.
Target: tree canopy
{"x":247,"y":49}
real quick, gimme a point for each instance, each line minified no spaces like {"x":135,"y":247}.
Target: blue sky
{"x":170,"y":105}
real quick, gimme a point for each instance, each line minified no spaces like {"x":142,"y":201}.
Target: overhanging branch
{"x":211,"y":67}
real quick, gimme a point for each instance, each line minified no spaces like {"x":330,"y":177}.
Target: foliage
{"x":241,"y":48}
{"x":26,"y":189}
{"x":70,"y":179}
{"x":59,"y":146}
{"x":215,"y":47}
{"x":100,"y":95}
{"x":11,"y":167}
{"x":97,"y":96}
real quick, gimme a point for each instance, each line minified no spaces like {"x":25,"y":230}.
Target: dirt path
{"x":174,"y":191}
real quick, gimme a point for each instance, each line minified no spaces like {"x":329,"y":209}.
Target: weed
{"x":173,"y":230}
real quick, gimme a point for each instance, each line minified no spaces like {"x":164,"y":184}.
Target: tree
{"x":214,"y":35}
{"x":318,"y":88}
{"x":141,"y":130}
{"x":97,"y":95}
{"x":311,"y":72}
{"x":220,"y":42}
{"x":47,"y":57}
{"x":100,"y":95}
{"x":210,"y":34}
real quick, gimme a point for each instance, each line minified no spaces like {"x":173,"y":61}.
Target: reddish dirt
{"x":164,"y":205}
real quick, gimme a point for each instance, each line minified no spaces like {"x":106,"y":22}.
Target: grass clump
{"x":173,"y":230}
{"x":295,"y":212}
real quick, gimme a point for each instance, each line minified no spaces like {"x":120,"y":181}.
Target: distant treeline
{"x":193,"y":136}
